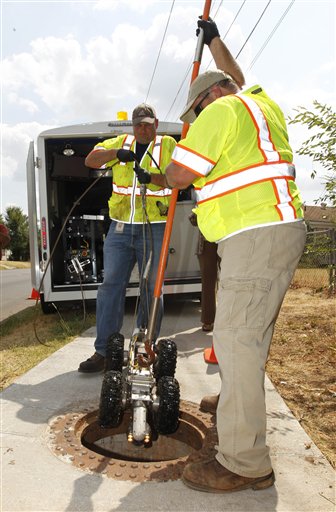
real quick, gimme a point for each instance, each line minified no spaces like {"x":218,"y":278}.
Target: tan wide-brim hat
{"x":199,"y":85}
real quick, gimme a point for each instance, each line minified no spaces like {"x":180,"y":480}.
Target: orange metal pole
{"x":172,"y":206}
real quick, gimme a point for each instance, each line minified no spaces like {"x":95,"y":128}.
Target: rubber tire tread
{"x":115,"y":352}
{"x":167,"y":415}
{"x":165,"y":365}
{"x":110,"y":405}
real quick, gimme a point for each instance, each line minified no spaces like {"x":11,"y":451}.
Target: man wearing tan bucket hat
{"x":237,"y":156}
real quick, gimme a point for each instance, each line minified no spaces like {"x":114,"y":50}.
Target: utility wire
{"x":228,"y":30}
{"x":157,"y":59}
{"x":255,"y":26}
{"x":247,"y":39}
{"x":270,"y":36}
{"x":183,"y":83}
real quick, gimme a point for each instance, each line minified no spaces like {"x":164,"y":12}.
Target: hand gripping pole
{"x":171,"y":212}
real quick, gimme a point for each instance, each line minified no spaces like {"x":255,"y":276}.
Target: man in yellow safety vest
{"x":238,"y":158}
{"x":130,"y":239}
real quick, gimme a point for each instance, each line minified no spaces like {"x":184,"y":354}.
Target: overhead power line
{"x":183,"y":83}
{"x":255,"y":26}
{"x":247,"y":39}
{"x":157,"y":59}
{"x":270,"y":36}
{"x":228,"y":30}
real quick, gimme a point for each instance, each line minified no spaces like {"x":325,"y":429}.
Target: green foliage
{"x":17,"y":225}
{"x":321,"y":146}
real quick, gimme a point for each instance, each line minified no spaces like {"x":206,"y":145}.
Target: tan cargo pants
{"x":256,"y":270}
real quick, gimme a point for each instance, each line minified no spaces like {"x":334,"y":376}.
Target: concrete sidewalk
{"x":34,"y":479}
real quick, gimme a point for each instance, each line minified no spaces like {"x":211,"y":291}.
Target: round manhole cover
{"x":78,"y":439}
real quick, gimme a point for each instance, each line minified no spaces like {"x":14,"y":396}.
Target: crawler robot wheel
{"x":165,"y":364}
{"x":115,"y":352}
{"x":110,"y":406}
{"x":167,"y":415}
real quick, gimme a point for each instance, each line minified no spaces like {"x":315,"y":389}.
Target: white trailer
{"x":56,"y":178}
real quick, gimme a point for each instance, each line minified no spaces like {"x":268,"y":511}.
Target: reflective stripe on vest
{"x":127,"y":144}
{"x":240,"y":179}
{"x":191,"y":160}
{"x":127,"y":191}
{"x":157,"y":150}
{"x":278,"y":174}
{"x":273,"y":169}
{"x":265,"y":143}
{"x":284,"y":204}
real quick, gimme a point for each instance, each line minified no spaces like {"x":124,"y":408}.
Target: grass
{"x":9,"y":265}
{"x":30,"y":336}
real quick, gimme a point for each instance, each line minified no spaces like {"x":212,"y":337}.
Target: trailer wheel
{"x":115,"y":352}
{"x":165,"y":363}
{"x":167,"y":415}
{"x":48,"y":308}
{"x":110,"y":406}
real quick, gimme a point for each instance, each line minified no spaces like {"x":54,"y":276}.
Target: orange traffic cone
{"x":210,"y":356}
{"x":34,"y":294}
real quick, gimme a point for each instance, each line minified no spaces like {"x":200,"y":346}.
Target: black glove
{"x":143,"y":176}
{"x":126,"y":155}
{"x":193,"y":219}
{"x":209,"y":28}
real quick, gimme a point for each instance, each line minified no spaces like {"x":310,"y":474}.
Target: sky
{"x":67,"y":62}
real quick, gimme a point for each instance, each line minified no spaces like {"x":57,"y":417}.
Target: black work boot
{"x":94,"y":364}
{"x":209,"y":403}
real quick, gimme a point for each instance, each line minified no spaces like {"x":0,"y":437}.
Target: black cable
{"x":157,"y":59}
{"x":228,"y":30}
{"x":183,"y":83}
{"x":76,"y":203}
{"x":247,"y":39}
{"x":144,"y":271}
{"x":255,"y":26}
{"x":270,"y":36}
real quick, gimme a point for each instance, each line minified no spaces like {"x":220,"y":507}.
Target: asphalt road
{"x":15,"y":291}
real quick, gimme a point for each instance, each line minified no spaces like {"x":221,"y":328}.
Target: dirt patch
{"x":301,"y":364}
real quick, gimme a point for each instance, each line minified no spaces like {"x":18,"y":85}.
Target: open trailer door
{"x":32,"y":215}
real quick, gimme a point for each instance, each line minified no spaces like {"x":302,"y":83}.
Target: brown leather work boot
{"x":210,"y":476}
{"x":209,"y":403}
{"x":94,"y":364}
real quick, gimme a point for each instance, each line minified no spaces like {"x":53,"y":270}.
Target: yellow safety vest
{"x":125,"y":203}
{"x":238,"y":148}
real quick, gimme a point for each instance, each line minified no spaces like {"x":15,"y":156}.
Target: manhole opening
{"x":78,"y":439}
{"x":113,"y":442}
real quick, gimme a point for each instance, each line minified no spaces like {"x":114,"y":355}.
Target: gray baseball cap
{"x":200,"y":84}
{"x":143,"y":113}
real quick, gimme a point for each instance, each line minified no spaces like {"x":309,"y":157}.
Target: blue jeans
{"x":122,"y":249}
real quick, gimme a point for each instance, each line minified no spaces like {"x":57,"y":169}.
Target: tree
{"x":321,"y":146}
{"x":17,"y":225}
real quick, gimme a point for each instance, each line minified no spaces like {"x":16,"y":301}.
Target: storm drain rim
{"x":65,"y":434}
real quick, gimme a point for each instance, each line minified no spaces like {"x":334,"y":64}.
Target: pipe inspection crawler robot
{"x":145,"y":385}
{"x":141,"y":379}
